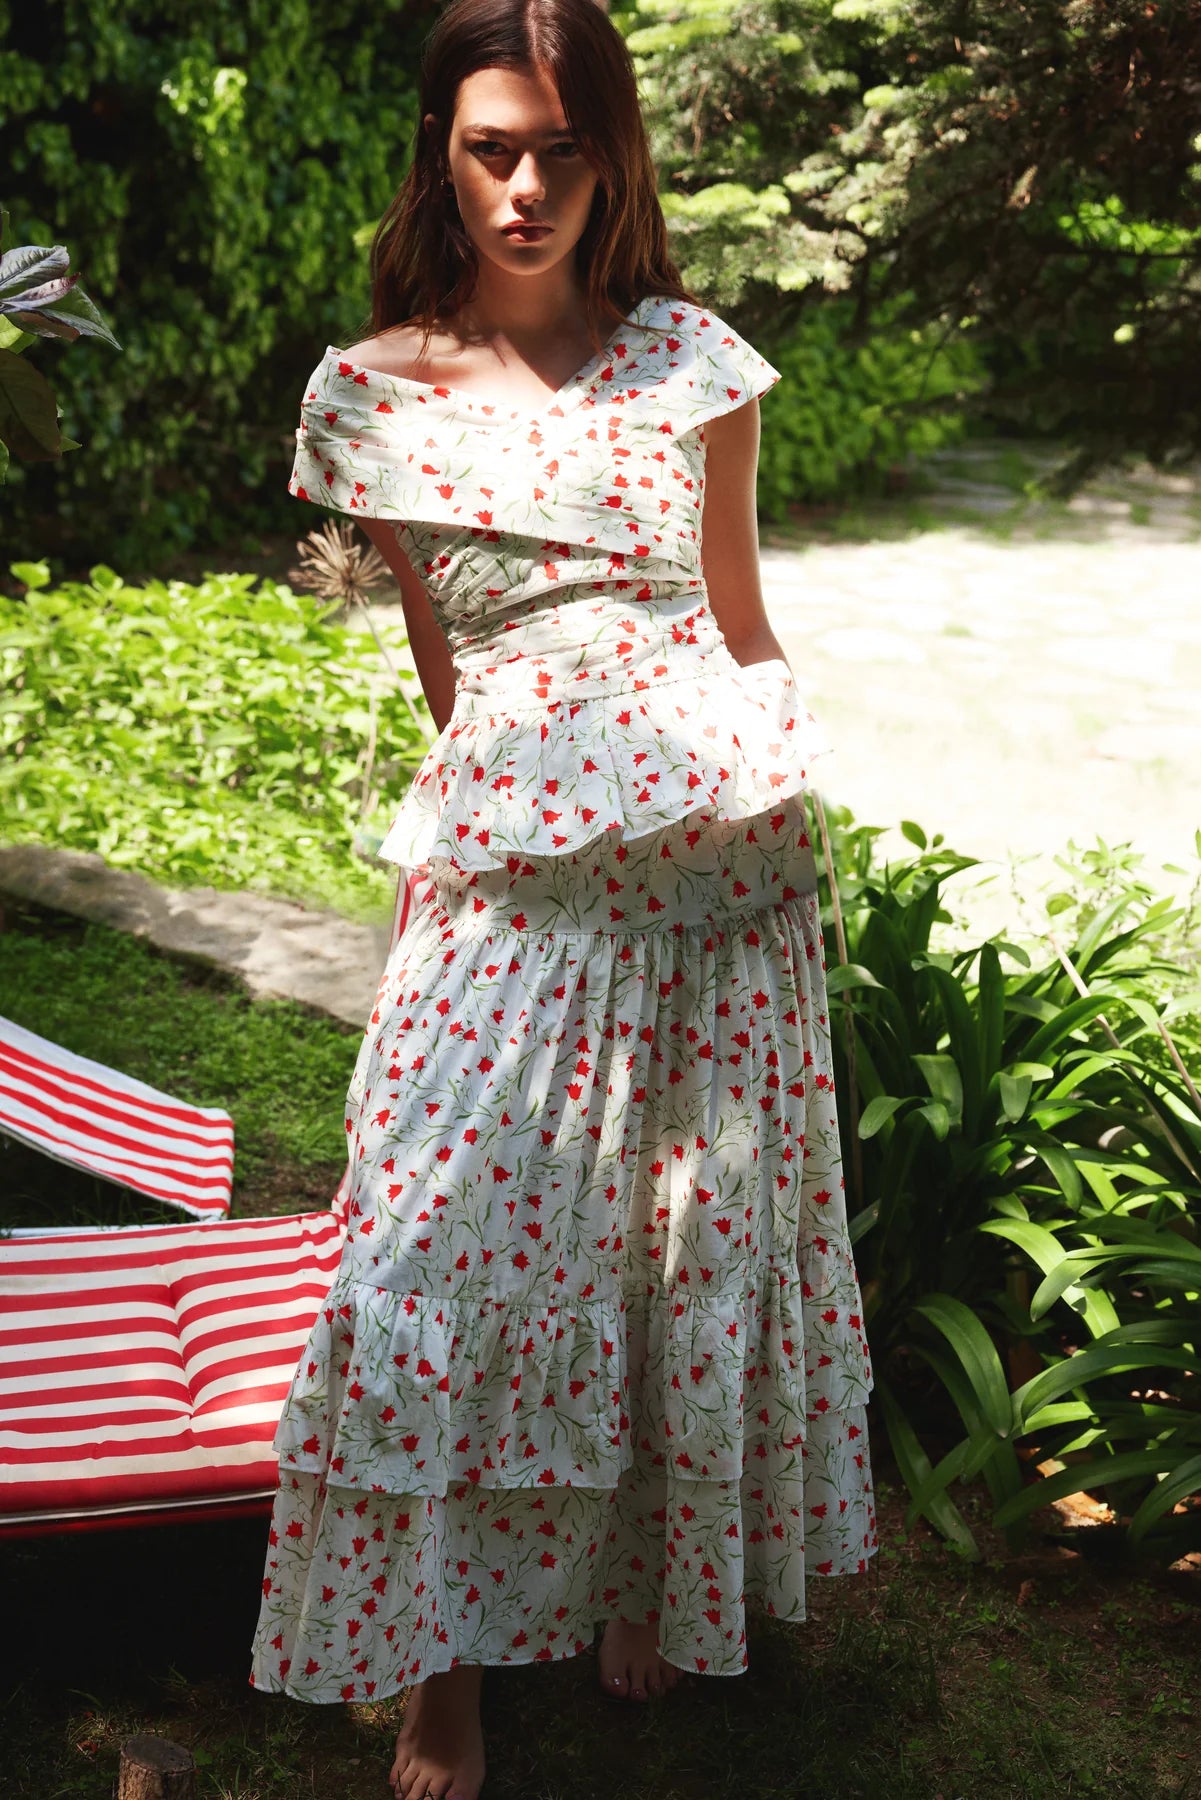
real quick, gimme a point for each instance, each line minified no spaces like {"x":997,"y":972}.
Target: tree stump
{"x":153,"y":1768}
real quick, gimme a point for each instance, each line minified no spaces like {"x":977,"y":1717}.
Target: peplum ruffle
{"x":520,"y":781}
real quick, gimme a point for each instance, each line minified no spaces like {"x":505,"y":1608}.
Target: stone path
{"x":1011,"y":674}
{"x":280,"y":950}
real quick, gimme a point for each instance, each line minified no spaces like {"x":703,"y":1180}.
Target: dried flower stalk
{"x":335,"y":566}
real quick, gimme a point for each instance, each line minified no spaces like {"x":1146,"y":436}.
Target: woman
{"x":594,"y":1353}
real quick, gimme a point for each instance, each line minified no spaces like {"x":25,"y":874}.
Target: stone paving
{"x":1011,"y":673}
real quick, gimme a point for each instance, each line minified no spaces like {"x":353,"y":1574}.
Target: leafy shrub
{"x":217,"y":734}
{"x":847,"y":412}
{"x":1027,"y":1166}
{"x":210,"y":171}
{"x":39,"y":297}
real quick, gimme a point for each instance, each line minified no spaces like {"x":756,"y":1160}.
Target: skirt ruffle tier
{"x":596,"y":1346}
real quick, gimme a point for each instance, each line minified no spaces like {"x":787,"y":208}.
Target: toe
{"x":612,"y":1681}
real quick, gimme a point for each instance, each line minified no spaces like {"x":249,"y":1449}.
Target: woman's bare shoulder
{"x":398,"y":351}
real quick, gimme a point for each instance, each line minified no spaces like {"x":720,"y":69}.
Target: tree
{"x":1027,"y":172}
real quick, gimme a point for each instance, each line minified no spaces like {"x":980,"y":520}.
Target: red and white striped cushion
{"x":82,"y":1113}
{"x":146,"y":1368}
{"x":414,"y":888}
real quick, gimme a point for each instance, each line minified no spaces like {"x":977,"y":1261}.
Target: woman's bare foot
{"x":630,"y":1665}
{"x":440,"y":1750}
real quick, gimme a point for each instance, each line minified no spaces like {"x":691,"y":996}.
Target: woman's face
{"x":512,"y":158}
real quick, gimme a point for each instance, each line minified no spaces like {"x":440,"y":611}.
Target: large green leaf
{"x":1093,"y":1363}
{"x":978,"y":1354}
{"x":967,"y":1054}
{"x":1102,"y":1472}
{"x":878,"y":1112}
{"x":1184,"y":1483}
{"x":914,"y":1465}
{"x":28,"y":415}
{"x":983,"y":1451}
{"x":1075,"y":1265}
{"x":1068,"y":1019}
{"x":944,"y":1081}
{"x":1015,"y":1095}
{"x":1044,"y":1248}
{"x":849,"y":975}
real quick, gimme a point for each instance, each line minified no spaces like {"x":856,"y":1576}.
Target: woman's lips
{"x":526,"y":233}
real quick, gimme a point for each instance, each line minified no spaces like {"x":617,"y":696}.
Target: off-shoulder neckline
{"x":480,"y":402}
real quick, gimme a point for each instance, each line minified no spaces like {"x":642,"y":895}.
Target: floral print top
{"x":561,"y":551}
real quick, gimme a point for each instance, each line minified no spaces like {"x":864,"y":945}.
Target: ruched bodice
{"x":561,"y":551}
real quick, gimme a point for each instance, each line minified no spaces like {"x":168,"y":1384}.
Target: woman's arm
{"x":730,"y":535}
{"x":427,"y":640}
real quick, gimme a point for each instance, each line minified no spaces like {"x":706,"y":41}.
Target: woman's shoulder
{"x":398,"y":352}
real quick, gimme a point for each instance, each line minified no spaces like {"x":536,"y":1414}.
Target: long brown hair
{"x":423,"y":263}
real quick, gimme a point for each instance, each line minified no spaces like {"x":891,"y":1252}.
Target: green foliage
{"x":38,"y":298}
{"x":1030,"y":176}
{"x":1027,"y":1166}
{"x":848,"y":412}
{"x":737,"y":94}
{"x":212,"y":734}
{"x":210,"y":172}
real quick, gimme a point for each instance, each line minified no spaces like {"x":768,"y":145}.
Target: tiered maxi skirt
{"x":595,"y":1348}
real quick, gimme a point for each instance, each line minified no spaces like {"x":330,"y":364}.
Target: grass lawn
{"x":281,"y":1069}
{"x":926,"y":1679}
{"x":1032,"y":1677}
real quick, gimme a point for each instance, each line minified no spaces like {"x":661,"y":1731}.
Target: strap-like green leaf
{"x":1074,"y":1266}
{"x":978,"y":1354}
{"x":944,"y":1080}
{"x":1015,"y":1095}
{"x":1181,"y":1484}
{"x":1042,"y":1247}
{"x":1067,"y":1019}
{"x":1093,"y":1362}
{"x":1102,"y":1472}
{"x":850,"y":975}
{"x":914,"y":1465}
{"x":878,"y":1112}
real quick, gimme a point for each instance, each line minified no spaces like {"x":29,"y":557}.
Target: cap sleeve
{"x":346,"y":452}
{"x":714,"y":370}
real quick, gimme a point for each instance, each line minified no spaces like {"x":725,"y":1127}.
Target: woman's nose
{"x":527,"y":179}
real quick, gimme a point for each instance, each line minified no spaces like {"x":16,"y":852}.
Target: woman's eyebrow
{"x":503,"y":131}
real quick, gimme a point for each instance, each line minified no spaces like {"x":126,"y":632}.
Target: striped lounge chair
{"x":143,"y":1368}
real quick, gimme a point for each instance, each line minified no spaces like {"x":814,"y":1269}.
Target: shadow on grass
{"x":149,"y":1629}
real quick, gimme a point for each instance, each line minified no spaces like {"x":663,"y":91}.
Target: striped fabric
{"x":145,"y":1368}
{"x":93,"y":1118}
{"x":413,"y":887}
